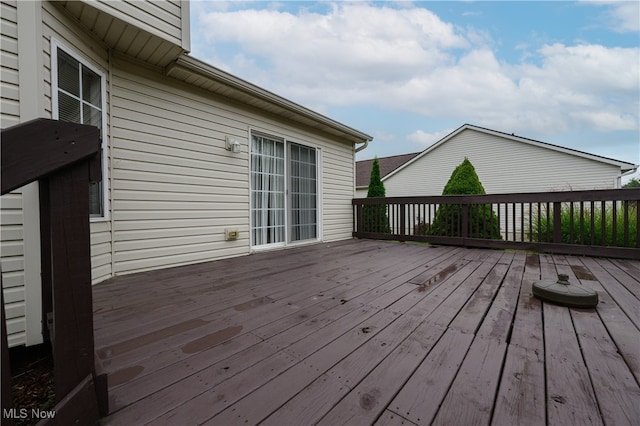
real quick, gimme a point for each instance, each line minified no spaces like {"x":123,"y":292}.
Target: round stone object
{"x":562,"y":292}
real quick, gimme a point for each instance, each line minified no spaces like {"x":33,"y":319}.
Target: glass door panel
{"x":302,"y":193}
{"x":267,"y":191}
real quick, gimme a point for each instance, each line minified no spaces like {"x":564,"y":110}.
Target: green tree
{"x":483,"y":222}
{"x":375,"y":216}
{"x":633,"y":183}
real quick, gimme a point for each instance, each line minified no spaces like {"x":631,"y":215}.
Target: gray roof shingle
{"x":387,"y":165}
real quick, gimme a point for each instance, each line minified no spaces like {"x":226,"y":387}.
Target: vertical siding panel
{"x":337,"y":192}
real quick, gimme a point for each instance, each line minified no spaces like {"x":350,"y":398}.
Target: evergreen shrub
{"x":483,"y":222}
{"x":375,"y":216}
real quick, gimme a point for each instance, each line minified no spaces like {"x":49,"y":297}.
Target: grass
{"x":590,"y":232}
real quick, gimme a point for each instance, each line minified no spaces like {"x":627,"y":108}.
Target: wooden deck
{"x":371,"y":332}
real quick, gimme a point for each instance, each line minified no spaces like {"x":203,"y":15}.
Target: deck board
{"x":521,"y":396}
{"x":370,"y":332}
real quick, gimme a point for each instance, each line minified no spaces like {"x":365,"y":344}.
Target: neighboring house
{"x":197,"y":164}
{"x":387,"y":165}
{"x":505,"y":163}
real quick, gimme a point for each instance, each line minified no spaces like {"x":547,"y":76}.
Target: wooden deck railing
{"x":596,"y":223}
{"x":64,"y":158}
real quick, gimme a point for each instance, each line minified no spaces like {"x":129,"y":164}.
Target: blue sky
{"x":409,"y":73}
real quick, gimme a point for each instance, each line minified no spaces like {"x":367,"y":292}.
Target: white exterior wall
{"x":176,"y":188}
{"x":11,"y":205}
{"x":362,"y":193}
{"x":12,"y":254}
{"x":168,"y":19}
{"x":9,"y":79}
{"x":503,"y":166}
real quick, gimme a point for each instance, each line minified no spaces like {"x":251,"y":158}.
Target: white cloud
{"x":408,"y":59}
{"x":425,"y":139}
{"x":624,"y":16}
{"x":352,"y":40}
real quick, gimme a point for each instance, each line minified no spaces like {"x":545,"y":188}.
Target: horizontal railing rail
{"x":595,"y":223}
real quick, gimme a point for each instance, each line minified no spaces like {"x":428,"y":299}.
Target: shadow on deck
{"x":364,"y":332}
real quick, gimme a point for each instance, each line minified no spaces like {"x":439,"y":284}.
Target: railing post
{"x":557,"y":219}
{"x":637,"y":224}
{"x":465,"y":221}
{"x":402,"y":219}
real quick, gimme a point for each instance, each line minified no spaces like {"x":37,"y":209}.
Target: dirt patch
{"x":33,"y":385}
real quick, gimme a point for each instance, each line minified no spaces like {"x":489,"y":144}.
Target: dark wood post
{"x":465,"y":221}
{"x":637,"y":203}
{"x":403,"y":220}
{"x":557,"y":222}
{"x":70,"y":258}
{"x":64,"y":157}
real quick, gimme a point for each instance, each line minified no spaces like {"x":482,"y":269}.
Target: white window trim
{"x":319,"y":227}
{"x":55,"y":45}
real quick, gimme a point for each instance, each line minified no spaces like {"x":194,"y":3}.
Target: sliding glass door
{"x":283,"y":191}
{"x":302,"y":193}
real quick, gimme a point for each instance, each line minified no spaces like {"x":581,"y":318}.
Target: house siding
{"x":12,"y":254}
{"x":162,"y":18}
{"x":519,"y":167}
{"x":174,"y":186}
{"x":11,"y":206}
{"x":9,"y":79}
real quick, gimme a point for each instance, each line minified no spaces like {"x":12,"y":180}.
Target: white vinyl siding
{"x":503,"y":166}
{"x":163,"y":18}
{"x":13,"y":275}
{"x":11,"y":206}
{"x":9,"y":79}
{"x":175,"y":187}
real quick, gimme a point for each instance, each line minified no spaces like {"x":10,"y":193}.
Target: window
{"x":284,"y":191}
{"x":79,"y":97}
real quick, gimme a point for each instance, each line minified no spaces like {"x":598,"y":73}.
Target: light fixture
{"x":232,"y":144}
